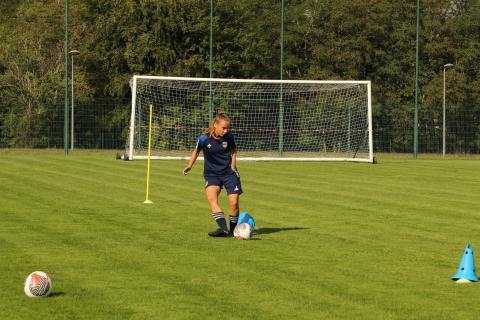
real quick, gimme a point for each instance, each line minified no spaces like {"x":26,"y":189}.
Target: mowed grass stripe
{"x":361,"y":201}
{"x":133,"y":188}
{"x":355,"y":257}
{"x":131,"y":221}
{"x":48,"y":232}
{"x":343,"y":181}
{"x":135,"y":184}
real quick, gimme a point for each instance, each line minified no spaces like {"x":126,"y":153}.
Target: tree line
{"x":324,"y":39}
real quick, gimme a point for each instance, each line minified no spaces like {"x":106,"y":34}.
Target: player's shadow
{"x":57,"y":294}
{"x":274,"y":230}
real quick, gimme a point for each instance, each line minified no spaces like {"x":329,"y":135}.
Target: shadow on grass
{"x":57,"y":294}
{"x":274,"y":230}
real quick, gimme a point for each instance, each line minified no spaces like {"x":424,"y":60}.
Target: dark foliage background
{"x":355,"y":39}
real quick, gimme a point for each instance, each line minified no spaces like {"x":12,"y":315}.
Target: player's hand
{"x":236,"y":172}
{"x":186,"y":170}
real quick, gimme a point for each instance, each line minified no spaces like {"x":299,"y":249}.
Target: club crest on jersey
{"x":209,"y":146}
{"x":224,"y":144}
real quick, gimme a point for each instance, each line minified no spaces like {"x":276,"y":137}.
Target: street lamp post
{"x":448,"y":65}
{"x":72,"y":54}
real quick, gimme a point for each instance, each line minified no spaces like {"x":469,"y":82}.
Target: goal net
{"x":271,"y":119}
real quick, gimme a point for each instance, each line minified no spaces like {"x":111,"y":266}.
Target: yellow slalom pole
{"x":148,"y":157}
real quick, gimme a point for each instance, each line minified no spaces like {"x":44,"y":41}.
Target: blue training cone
{"x":466,"y":270}
{"x":245,"y":217}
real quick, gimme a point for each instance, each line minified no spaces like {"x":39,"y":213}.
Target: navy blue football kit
{"x":217,"y":170}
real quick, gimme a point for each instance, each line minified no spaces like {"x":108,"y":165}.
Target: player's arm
{"x":195,"y":153}
{"x":192,"y":160}
{"x":234,"y":159}
{"x":233,"y":151}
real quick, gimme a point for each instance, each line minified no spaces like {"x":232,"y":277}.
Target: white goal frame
{"x":130,"y":155}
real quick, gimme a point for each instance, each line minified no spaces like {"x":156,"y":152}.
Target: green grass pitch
{"x":333,"y":240}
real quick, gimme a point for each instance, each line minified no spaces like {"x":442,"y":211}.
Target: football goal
{"x":271,"y":119}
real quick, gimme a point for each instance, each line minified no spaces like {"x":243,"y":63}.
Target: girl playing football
{"x":220,"y":170}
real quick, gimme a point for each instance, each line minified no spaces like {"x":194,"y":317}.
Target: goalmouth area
{"x":271,"y":119}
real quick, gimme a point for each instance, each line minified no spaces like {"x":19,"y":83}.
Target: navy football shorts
{"x":231,"y":182}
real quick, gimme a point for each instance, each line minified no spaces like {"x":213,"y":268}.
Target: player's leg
{"x":212,"y":192}
{"x":233,"y":202}
{"x":234,"y":190}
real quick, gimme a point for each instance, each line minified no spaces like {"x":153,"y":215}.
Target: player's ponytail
{"x":220,"y":116}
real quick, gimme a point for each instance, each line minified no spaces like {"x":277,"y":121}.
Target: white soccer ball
{"x":38,"y":284}
{"x":243,"y":231}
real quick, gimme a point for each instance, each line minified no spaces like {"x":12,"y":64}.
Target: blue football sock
{"x":233,"y":222}
{"x":220,"y":219}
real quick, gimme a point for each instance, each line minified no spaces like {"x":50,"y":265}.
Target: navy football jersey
{"x":217,"y":154}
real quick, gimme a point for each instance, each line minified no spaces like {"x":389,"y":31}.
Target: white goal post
{"x":288,"y":120}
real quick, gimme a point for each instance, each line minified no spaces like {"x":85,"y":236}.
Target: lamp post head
{"x":74,"y":52}
{"x":448,"y":65}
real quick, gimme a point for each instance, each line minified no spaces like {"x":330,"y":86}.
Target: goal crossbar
{"x":250,"y":80}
